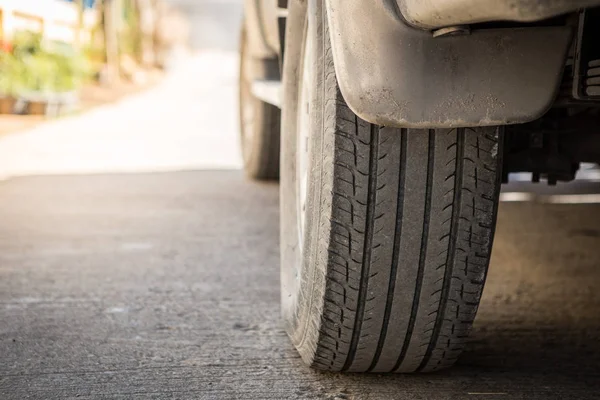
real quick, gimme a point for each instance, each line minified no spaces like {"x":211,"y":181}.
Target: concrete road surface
{"x":165,"y":286}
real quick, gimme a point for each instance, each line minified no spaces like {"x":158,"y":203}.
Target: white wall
{"x":56,"y":19}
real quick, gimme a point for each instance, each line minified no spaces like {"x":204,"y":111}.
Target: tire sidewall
{"x":302,"y":269}
{"x":359,"y":281}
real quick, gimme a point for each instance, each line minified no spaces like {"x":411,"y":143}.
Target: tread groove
{"x":368,"y":244}
{"x":450,"y":258}
{"x":424,"y":239}
{"x":395,"y":251}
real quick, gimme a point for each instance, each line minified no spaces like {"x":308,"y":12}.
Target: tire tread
{"x":403,"y":235}
{"x":362,"y":308}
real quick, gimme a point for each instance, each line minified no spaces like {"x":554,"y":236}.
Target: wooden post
{"x":80,"y":23}
{"x":111,"y":40}
{"x":146,"y":25}
{"x":2,"y":35}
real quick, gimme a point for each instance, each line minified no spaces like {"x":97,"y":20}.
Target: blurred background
{"x":137,"y":262}
{"x":147,"y":85}
{"x":95,"y":86}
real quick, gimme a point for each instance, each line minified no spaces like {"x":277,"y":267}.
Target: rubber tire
{"x":261,"y":153}
{"x":399,"y":228}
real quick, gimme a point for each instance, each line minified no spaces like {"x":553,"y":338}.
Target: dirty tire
{"x":399,"y":228}
{"x":259,"y":121}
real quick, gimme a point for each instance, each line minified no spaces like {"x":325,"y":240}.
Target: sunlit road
{"x":164,"y":285}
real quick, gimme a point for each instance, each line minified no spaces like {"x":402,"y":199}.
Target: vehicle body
{"x":401,"y":119}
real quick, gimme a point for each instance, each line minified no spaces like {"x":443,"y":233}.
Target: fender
{"x":430,"y":14}
{"x":393,"y":74}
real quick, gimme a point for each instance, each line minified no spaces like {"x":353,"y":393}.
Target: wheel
{"x":386,"y":234}
{"x":259,"y":121}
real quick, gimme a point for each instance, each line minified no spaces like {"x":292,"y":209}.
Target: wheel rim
{"x":303,"y":136}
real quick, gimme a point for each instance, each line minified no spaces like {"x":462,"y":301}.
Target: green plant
{"x":46,"y":67}
{"x":26,"y":43}
{"x":72,"y":68}
{"x":129,"y":37}
{"x":40,"y":72}
{"x":34,"y":65}
{"x":6,"y":75}
{"x":11,"y":75}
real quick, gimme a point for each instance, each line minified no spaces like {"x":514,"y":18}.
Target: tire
{"x":387,"y":270}
{"x":259,"y":121}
